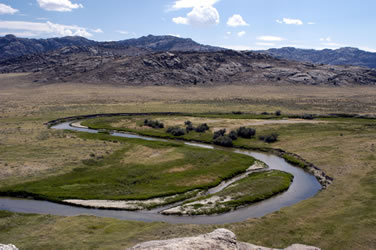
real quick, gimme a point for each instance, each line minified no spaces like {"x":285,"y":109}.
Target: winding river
{"x":303,"y":187}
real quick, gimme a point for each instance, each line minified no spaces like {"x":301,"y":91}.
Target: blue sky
{"x":237,"y":24}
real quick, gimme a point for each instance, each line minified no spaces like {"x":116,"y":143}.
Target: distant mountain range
{"x":12,"y":46}
{"x":342,"y":56}
{"x":162,"y":60}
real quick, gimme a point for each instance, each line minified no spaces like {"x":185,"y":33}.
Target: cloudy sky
{"x":237,"y":24}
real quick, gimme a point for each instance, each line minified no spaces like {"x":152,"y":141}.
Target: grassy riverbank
{"x":255,"y":187}
{"x":340,"y":217}
{"x":139,"y":170}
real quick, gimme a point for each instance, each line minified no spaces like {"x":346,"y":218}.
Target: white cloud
{"x":236,"y":47}
{"x":45,"y":28}
{"x":270,"y":38}
{"x":236,"y":20}
{"x":311,"y":23}
{"x":266,"y":44}
{"x":123,"y":32}
{"x":228,"y":32}
{"x":175,"y":35}
{"x":241,"y":33}
{"x":19,"y":34}
{"x":180,"y":20}
{"x":290,"y":21}
{"x":6,"y":9}
{"x":199,"y":16}
{"x":327,"y":39}
{"x":58,"y":5}
{"x":187,"y":4}
{"x":97,"y":30}
{"x":367,"y":49}
{"x":333,"y":45}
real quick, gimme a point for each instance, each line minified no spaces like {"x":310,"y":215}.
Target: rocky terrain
{"x":163,"y":60}
{"x":13,"y":47}
{"x":92,"y":64}
{"x":218,"y":239}
{"x":342,"y":56}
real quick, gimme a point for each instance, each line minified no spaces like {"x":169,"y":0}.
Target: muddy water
{"x":303,"y":187}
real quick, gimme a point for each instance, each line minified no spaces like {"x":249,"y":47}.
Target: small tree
{"x":153,"y":124}
{"x":176,"y":131}
{"x":273,"y":137}
{"x":189,"y":128}
{"x":278,"y":113}
{"x":233,"y":135}
{"x":247,"y":133}
{"x":219,"y":133}
{"x":224,"y":141}
{"x":202,"y":128}
{"x":188,"y":123}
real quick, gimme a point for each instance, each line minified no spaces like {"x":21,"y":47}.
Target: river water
{"x":303,"y":187}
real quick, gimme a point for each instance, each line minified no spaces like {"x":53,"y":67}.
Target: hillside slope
{"x":342,"y":56}
{"x":13,"y":47}
{"x":92,"y":64}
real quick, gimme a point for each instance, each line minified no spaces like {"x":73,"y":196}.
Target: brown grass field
{"x":341,"y":217}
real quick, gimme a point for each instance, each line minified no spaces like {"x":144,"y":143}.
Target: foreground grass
{"x":140,"y":170}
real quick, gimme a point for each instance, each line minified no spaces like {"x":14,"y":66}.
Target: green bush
{"x":224,"y":141}
{"x":273,"y":137}
{"x":153,"y":124}
{"x":233,"y":135}
{"x":176,"y":131}
{"x":202,"y":128}
{"x":219,"y":133}
{"x":247,"y":133}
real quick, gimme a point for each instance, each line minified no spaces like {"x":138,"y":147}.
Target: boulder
{"x":218,"y":239}
{"x":8,"y":247}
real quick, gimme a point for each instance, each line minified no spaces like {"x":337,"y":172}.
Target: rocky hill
{"x":13,"y":47}
{"x":93,"y":64}
{"x":163,"y":44}
{"x":342,"y":56}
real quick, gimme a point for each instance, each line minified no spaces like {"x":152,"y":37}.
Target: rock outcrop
{"x":94,"y":65}
{"x":8,"y":247}
{"x":218,"y":239}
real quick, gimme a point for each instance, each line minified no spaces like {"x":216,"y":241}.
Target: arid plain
{"x":339,"y":217}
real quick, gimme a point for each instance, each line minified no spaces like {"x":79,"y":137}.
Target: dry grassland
{"x":342,"y":217}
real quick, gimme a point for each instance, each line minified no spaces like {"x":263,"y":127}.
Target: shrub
{"x":273,"y":137}
{"x":307,"y":116}
{"x":278,"y":113}
{"x":189,"y":128}
{"x":224,"y":141}
{"x":175,"y":131}
{"x":219,"y":133}
{"x":188,"y":123}
{"x":233,"y":135}
{"x":246,"y":132}
{"x":153,"y":124}
{"x":202,"y":128}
